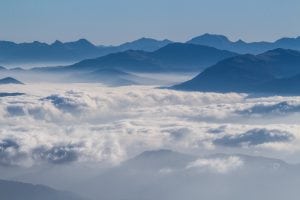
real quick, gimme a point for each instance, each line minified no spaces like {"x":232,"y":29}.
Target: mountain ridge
{"x":240,"y":46}
{"x":274,"y":71}
{"x":74,"y":51}
{"x":172,"y":57}
{"x":13,"y":190}
{"x":38,"y":52}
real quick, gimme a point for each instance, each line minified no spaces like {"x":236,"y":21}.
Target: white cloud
{"x":219,"y":165}
{"x":94,"y":123}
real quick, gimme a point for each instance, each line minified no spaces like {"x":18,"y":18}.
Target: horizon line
{"x":145,"y":37}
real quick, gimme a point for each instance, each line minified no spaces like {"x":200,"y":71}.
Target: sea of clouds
{"x":92,"y":123}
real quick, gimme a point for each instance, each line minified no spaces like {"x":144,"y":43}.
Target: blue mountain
{"x":111,"y":77}
{"x":144,"y":44}
{"x":41,"y":52}
{"x":286,"y":86}
{"x":173,"y":57}
{"x":165,"y":174}
{"x":11,"y":190}
{"x":38,"y":52}
{"x":274,"y":71}
{"x":9,"y":80}
{"x":222,"y":42}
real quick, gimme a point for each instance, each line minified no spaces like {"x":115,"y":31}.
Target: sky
{"x":111,"y":22}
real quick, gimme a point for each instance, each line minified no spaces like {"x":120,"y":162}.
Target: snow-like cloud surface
{"x":254,"y":137}
{"x":219,"y":165}
{"x":67,"y":123}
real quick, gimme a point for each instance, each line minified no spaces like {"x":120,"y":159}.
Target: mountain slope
{"x":9,"y":80}
{"x":222,"y":42}
{"x":173,"y":57}
{"x":189,"y":57}
{"x":111,"y":77}
{"x":169,"y":175}
{"x":37,"y":52}
{"x":10,"y":190}
{"x":65,"y":52}
{"x":286,"y":86}
{"x":144,"y":44}
{"x":41,"y":52}
{"x":249,"y":73}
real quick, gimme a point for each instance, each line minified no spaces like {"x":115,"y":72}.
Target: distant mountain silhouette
{"x":110,"y":77}
{"x":173,"y":57}
{"x":188,"y":57}
{"x":274,"y":71}
{"x":2,"y":68}
{"x":144,"y":44}
{"x":129,"y":60}
{"x":11,"y":190}
{"x":217,"y":41}
{"x":37,"y":52}
{"x":9,"y":80}
{"x":41,"y":52}
{"x":165,"y":174}
{"x":63,"y":52}
{"x":222,"y":42}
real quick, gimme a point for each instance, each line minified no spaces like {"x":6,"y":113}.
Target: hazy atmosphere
{"x":147,"y":100}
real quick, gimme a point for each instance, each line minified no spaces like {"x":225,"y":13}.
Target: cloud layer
{"x":219,"y":165}
{"x":254,"y":137}
{"x":91,"y":123}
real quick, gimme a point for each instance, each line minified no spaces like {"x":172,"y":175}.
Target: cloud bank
{"x":90,"y":123}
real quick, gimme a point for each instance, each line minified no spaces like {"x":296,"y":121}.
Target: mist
{"x":88,"y":137}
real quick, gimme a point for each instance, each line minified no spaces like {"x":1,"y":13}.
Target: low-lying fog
{"x":85,"y":138}
{"x":29,"y":65}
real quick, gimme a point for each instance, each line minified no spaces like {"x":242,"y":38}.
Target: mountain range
{"x":165,"y":174}
{"x":57,"y":52}
{"x":12,"y":53}
{"x":11,"y":190}
{"x":276,"y":71}
{"x":242,"y":47}
{"x":9,"y":80}
{"x":173,"y":57}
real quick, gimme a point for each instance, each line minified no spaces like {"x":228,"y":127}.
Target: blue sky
{"x":117,"y":21}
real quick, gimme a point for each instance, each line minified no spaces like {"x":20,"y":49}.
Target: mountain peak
{"x":269,"y":72}
{"x":10,"y":80}
{"x":145,"y":39}
{"x":281,"y":51}
{"x":212,"y":40}
{"x":240,"y":42}
{"x":207,"y":37}
{"x":83,"y":41}
{"x":57,"y":43}
{"x":146,"y":44}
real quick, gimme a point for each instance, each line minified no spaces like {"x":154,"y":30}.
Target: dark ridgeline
{"x":164,"y":174}
{"x":144,"y":44}
{"x":173,"y":57}
{"x":276,"y":71}
{"x":9,"y":80}
{"x":11,"y":190}
{"x":59,"y":52}
{"x":222,"y":42}
{"x":38,"y":52}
